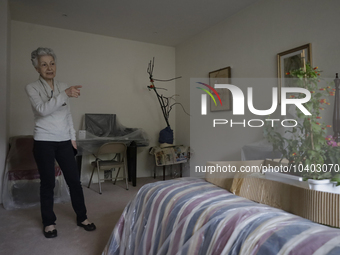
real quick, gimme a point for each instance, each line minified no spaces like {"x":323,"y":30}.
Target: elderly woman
{"x":54,"y":139}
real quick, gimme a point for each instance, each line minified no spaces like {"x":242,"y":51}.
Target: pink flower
{"x":330,"y":141}
{"x":333,"y":144}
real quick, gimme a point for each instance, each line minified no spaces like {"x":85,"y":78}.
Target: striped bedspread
{"x":192,"y":216}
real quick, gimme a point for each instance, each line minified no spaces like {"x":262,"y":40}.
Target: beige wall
{"x":4,"y":84}
{"x":249,"y":42}
{"x":111,"y":70}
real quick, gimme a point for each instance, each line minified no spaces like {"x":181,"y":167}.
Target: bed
{"x":193,"y":216}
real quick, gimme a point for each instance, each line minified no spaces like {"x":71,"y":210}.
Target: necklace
{"x":55,"y":86}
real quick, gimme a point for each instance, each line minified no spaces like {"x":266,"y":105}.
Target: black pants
{"x":45,"y":154}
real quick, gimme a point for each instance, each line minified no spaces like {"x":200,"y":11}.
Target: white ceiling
{"x":165,"y":22}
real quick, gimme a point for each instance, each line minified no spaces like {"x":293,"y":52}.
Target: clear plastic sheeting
{"x":101,"y":128}
{"x":192,"y":216}
{"x":170,"y":155}
{"x":21,"y":182}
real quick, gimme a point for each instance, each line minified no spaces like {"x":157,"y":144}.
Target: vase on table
{"x":166,"y":136}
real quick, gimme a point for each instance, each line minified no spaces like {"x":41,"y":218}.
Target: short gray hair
{"x":41,"y":52}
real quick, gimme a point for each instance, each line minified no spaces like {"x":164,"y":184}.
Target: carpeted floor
{"x":21,"y":230}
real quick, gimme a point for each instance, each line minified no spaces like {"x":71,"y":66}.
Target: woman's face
{"x":46,"y":67}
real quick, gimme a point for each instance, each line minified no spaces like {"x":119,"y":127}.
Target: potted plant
{"x":306,"y":149}
{"x":166,"y":136}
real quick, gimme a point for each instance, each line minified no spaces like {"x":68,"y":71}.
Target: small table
{"x":169,"y":156}
{"x":180,"y":171}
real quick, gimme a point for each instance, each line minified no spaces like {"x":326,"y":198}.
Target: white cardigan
{"x":52,"y":116}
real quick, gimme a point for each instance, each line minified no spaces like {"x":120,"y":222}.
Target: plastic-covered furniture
{"x":99,"y":129}
{"x":21,"y":182}
{"x":169,"y":156}
{"x":116,"y":162}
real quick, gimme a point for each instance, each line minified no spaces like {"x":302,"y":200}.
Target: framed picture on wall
{"x":290,"y":60}
{"x":221,"y":76}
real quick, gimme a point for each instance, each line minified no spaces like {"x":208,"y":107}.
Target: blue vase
{"x":166,"y":135}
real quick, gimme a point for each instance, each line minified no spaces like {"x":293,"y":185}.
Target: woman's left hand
{"x":74,"y":144}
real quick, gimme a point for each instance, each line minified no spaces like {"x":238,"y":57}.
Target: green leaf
{"x":336,"y":178}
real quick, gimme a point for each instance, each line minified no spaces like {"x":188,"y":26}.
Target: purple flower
{"x":331,"y":141}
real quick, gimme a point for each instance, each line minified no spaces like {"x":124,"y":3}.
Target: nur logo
{"x":204,"y":97}
{"x":239,"y":103}
{"x":238,"y":99}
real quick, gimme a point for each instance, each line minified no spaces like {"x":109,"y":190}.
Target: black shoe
{"x":50,"y":234}
{"x":88,"y":227}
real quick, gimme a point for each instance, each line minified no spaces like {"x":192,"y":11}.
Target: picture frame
{"x":290,"y":60}
{"x":221,"y":76}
